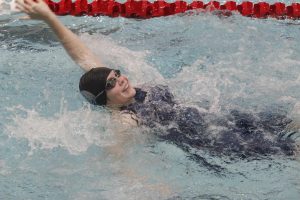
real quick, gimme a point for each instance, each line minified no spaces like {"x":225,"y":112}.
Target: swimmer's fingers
{"x":22,"y":6}
{"x":20,"y":3}
{"x":22,"y":9}
{"x":36,"y":10}
{"x":30,"y":3}
{"x":40,"y":1}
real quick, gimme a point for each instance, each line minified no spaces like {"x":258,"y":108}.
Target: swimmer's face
{"x":122,"y":93}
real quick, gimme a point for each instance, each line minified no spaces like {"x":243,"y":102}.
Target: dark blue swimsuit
{"x":237,"y":134}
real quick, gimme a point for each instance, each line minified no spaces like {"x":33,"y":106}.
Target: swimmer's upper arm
{"x":124,"y":133}
{"x":74,"y":46}
{"x":78,"y":51}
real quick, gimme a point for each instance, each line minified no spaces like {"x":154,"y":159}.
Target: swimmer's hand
{"x":37,"y":9}
{"x":79,"y":52}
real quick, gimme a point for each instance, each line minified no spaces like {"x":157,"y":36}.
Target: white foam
{"x":4,"y":170}
{"x":135,"y":186}
{"x":134,"y":62}
{"x":202,"y":86}
{"x":8,"y":6}
{"x":74,"y":131}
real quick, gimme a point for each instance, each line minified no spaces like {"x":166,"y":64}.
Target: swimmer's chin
{"x":129,"y":93}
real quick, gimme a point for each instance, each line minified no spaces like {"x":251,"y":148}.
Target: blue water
{"x":53,"y":145}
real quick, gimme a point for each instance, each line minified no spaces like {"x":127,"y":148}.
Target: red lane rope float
{"x":145,"y":9}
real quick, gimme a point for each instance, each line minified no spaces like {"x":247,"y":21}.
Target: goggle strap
{"x":89,"y":96}
{"x":99,"y":94}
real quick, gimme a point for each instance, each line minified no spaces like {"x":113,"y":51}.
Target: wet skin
{"x":122,"y":93}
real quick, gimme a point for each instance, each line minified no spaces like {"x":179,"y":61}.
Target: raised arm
{"x":78,"y":51}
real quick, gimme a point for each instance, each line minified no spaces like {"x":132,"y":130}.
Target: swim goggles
{"x":110,"y":83}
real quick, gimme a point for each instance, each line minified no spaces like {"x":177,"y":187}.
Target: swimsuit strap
{"x":140,"y":95}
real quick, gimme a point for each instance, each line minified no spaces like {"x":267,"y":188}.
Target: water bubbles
{"x":74,"y":131}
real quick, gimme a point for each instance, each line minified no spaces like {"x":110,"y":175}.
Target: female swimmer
{"x":237,"y":133}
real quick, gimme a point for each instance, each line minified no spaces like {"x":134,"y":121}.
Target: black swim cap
{"x":92,"y":83}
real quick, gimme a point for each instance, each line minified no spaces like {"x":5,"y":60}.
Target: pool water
{"x":54,"y":145}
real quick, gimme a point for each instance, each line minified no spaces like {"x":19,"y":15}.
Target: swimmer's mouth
{"x":126,"y":87}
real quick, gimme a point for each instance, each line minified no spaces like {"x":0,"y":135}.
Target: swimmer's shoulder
{"x":129,"y":118}
{"x":126,"y":118}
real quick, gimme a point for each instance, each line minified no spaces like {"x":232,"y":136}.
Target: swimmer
{"x":239,"y":133}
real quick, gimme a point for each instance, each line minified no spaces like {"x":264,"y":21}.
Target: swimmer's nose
{"x":121,"y":80}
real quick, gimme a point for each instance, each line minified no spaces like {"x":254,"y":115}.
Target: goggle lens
{"x":111,"y":83}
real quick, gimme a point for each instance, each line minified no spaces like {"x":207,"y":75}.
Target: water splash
{"x":7,"y":6}
{"x":74,"y":131}
{"x":116,"y":56}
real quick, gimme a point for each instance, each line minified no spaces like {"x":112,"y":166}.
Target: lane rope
{"x":144,"y":9}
